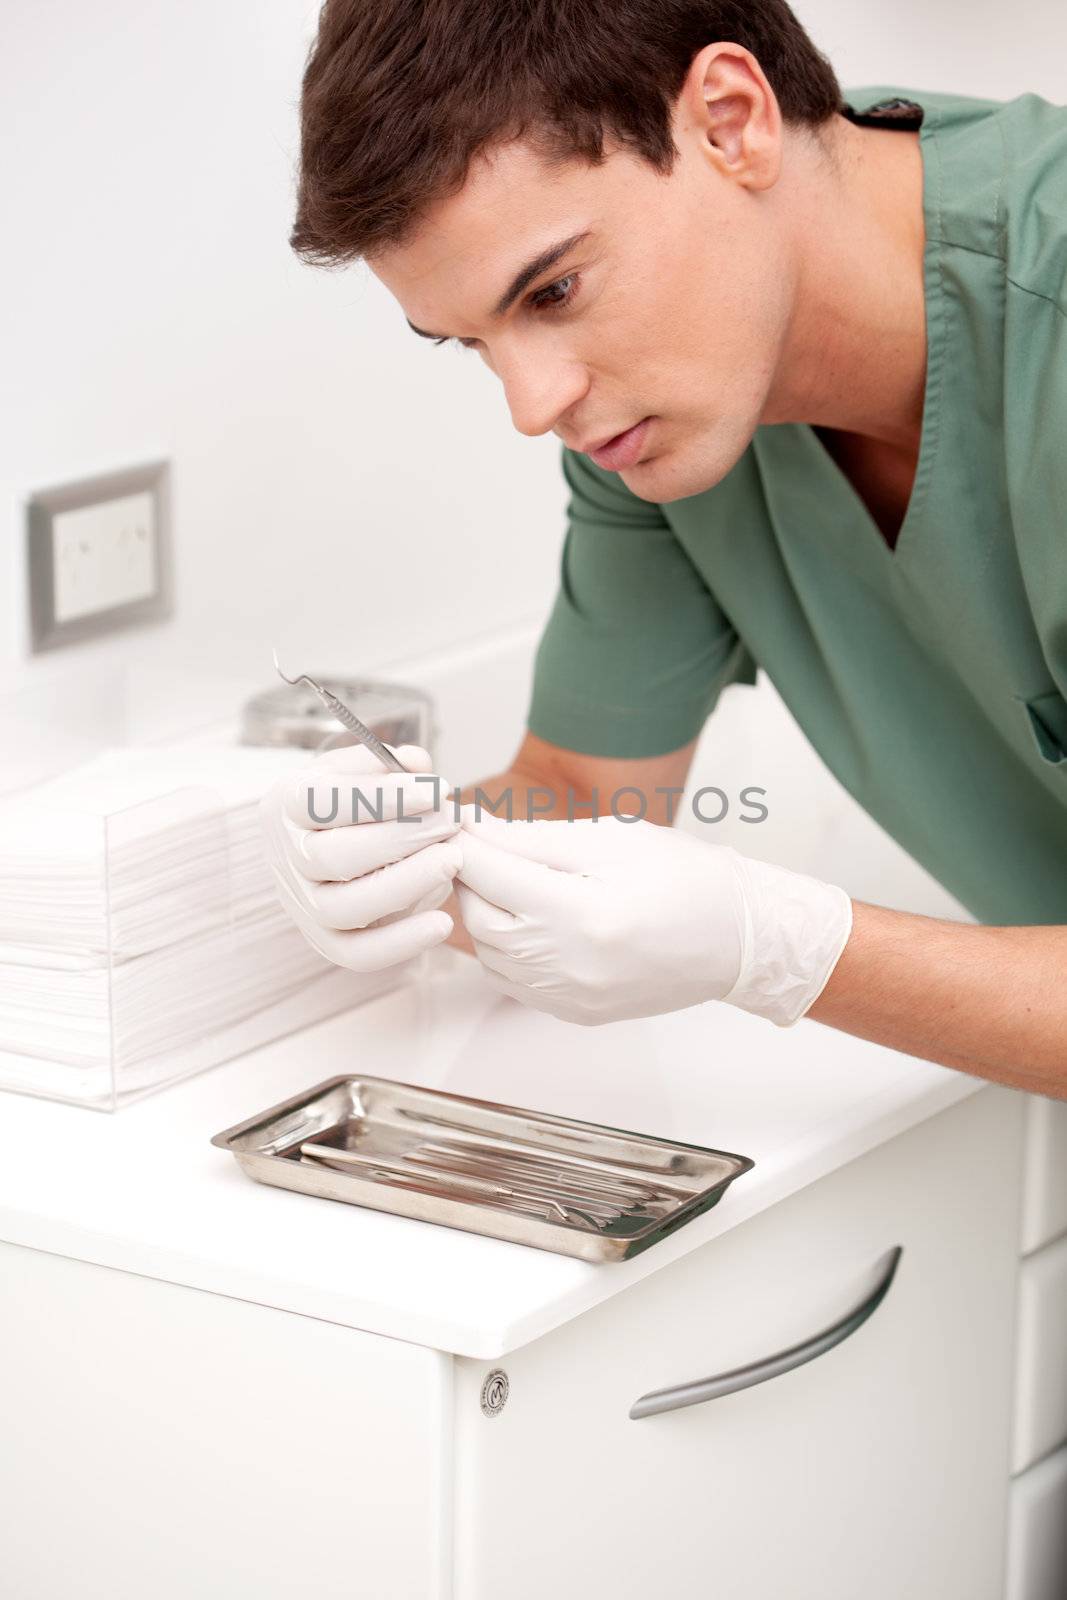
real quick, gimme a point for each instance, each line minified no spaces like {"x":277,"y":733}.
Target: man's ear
{"x":727,"y":101}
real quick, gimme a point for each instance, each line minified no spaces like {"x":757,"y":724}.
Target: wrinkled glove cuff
{"x":796,"y":928}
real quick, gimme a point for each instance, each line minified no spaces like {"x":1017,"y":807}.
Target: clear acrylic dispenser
{"x":140,"y":945}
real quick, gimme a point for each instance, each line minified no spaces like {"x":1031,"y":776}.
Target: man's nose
{"x":541,"y":390}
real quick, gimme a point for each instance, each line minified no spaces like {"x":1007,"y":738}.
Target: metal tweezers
{"x":347,"y":718}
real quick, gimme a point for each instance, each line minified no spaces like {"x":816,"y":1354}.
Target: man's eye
{"x":553,"y":297}
{"x":556,"y":295}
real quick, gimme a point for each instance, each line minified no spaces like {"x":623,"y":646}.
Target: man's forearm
{"x":991,"y":1001}
{"x":519,"y":795}
{"x":986,"y":1000}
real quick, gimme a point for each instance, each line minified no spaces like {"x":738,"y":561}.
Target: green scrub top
{"x":930,"y":677}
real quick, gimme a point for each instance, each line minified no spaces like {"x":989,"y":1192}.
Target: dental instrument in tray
{"x":347,"y":718}
{"x":576,"y":1188}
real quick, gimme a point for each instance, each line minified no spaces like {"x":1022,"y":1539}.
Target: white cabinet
{"x":1037,"y":1558}
{"x":879,"y":1469}
{"x":1045,"y":1178}
{"x":1037,"y":1566}
{"x":1041,"y":1356}
{"x":167,"y":1442}
{"x":161,"y":1442}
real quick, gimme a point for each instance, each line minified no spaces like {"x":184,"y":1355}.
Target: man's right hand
{"x":364,"y":892}
{"x":568,"y":783}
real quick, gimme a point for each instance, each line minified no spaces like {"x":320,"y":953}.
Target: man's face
{"x":666,"y":314}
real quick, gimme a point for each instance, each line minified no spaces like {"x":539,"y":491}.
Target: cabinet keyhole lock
{"x":495,"y":1392}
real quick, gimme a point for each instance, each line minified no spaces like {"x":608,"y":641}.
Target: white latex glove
{"x":363,"y":893}
{"x":596,"y":920}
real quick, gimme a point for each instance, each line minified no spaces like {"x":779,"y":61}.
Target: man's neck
{"x":855,"y":355}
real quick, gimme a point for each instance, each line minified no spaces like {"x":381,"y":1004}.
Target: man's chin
{"x":668,"y":476}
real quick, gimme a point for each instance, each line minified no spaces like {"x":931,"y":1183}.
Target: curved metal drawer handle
{"x":701,"y":1389}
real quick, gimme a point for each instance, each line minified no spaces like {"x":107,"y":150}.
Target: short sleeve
{"x":636,"y":651}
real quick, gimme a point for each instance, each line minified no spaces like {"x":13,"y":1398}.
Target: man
{"x":808,"y":362}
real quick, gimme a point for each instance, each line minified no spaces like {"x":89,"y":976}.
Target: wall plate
{"x":98,"y":556}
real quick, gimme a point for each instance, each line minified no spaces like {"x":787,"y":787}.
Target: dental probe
{"x":338,"y":709}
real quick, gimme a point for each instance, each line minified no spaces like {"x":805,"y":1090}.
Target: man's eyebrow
{"x":522,"y":279}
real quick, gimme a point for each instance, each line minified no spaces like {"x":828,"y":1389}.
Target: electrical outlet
{"x":103,"y":556}
{"x":98,"y":556}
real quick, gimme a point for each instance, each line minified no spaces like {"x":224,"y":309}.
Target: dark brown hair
{"x":400,"y":95}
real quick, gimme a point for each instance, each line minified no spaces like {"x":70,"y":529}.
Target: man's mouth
{"x":622,"y":449}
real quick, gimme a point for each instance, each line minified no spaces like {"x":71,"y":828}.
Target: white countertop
{"x":143,"y":1190}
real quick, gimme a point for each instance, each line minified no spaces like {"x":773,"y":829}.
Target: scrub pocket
{"x":1048,"y":724}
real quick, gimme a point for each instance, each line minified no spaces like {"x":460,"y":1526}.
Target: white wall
{"x":340,"y":488}
{"x":978,"y":47}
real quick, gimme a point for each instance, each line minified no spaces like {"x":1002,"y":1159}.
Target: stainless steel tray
{"x":573,"y":1187}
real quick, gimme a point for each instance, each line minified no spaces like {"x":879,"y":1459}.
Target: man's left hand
{"x":600,"y":919}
